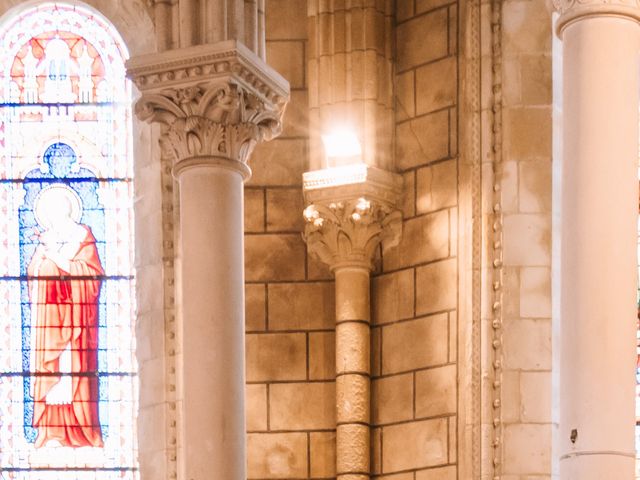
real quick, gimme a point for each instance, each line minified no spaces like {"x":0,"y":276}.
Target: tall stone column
{"x":215,"y":102}
{"x":346,"y":225}
{"x":599,"y":184}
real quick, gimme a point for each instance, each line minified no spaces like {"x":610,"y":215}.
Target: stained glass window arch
{"x":68,"y":374}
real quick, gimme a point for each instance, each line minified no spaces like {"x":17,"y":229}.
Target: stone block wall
{"x":290,"y":305}
{"x":526,"y":204}
{"x":415,"y":295}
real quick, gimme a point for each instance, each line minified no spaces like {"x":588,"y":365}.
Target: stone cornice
{"x":573,"y":10}
{"x":223,"y":61}
{"x":347,"y":222}
{"x":215,"y":101}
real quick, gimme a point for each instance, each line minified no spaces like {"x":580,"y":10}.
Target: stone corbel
{"x":351,"y":212}
{"x":216,"y":101}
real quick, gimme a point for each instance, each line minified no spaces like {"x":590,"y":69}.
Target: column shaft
{"x":212,"y":378}
{"x":353,"y":372}
{"x":598,"y":256}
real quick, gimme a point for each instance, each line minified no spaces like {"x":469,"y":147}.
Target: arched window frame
{"x":153,"y":249}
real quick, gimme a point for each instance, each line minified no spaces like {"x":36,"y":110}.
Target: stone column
{"x":599,"y":184}
{"x":215,"y":102}
{"x":350,"y":71}
{"x":346,"y":224}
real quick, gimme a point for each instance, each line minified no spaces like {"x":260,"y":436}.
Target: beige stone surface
{"x":426,"y":5}
{"x":436,"y":283}
{"x":322,"y":355}
{"x":527,"y":27}
{"x":414,"y":445}
{"x":256,"y":406}
{"x":436,"y":85}
{"x":535,"y":292}
{"x":436,"y":391}
{"x":322,"y":454}
{"x":405,"y":95}
{"x":284,"y":207}
{"x":405,"y":10}
{"x":422,"y":140}
{"x":296,"y":120}
{"x":253,"y":210}
{"x":277,"y":356}
{"x":424,"y":239}
{"x":409,"y":195}
{"x":393,"y":297}
{"x":287,"y":57}
{"x":527,"y":449}
{"x":255,"y":307}
{"x":527,"y":344}
{"x":286,"y":20}
{"x":291,"y":403}
{"x":274,"y":257}
{"x":536,"y":396}
{"x":443,"y":473}
{"x":519,"y":125}
{"x":410,"y":338}
{"x":437,"y":187}
{"x":301,"y":306}
{"x":527,"y":240}
{"x":422,"y":39}
{"x":278,"y":163}
{"x":277,"y":455}
{"x":534,"y":187}
{"x":392,"y":399}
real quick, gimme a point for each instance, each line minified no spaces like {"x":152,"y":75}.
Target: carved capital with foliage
{"x":351,"y":212}
{"x":348,"y":233}
{"x":214,"y":101}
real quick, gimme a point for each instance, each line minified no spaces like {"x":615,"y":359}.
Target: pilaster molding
{"x":216,"y":101}
{"x":574,"y":10}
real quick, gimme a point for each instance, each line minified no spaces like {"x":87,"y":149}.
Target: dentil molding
{"x":347,"y":222}
{"x":573,"y":10}
{"x":216,"y":101}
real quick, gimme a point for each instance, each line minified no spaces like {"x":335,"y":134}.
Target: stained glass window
{"x":68,"y":384}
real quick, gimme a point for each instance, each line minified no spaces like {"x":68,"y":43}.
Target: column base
{"x":598,"y":466}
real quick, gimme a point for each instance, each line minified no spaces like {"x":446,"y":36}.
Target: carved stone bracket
{"x":216,"y":101}
{"x":345,"y":223}
{"x":572,"y":10}
{"x":348,"y":233}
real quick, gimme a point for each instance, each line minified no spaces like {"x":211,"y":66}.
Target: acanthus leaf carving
{"x":215,"y":101}
{"x":210,"y":120}
{"x":348,"y":233}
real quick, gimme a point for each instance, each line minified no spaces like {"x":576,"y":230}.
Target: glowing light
{"x":342,"y":144}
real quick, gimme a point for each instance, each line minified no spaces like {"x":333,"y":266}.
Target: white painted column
{"x":601,"y":47}
{"x":212,"y":337}
{"x":212,"y":118}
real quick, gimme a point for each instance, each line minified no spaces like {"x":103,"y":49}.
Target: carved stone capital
{"x":215,"y":101}
{"x":351,"y":214}
{"x":574,"y":10}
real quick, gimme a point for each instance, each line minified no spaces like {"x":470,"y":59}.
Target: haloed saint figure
{"x":65,"y":273}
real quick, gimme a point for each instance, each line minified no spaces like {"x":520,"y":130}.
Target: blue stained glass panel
{"x":68,"y":376}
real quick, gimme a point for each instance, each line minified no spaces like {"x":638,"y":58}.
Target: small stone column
{"x":215,"y":102}
{"x":599,"y":184}
{"x":346,"y":224}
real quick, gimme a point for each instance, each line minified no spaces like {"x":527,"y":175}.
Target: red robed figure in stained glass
{"x":64,"y":289}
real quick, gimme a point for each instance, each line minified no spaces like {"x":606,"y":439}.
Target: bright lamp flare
{"x":341,"y":144}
